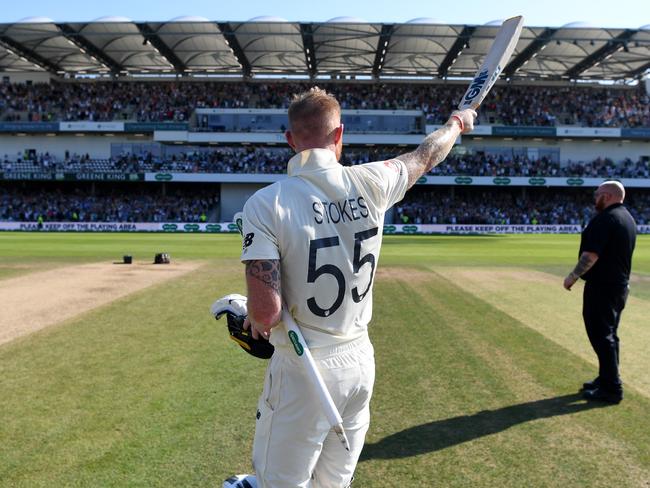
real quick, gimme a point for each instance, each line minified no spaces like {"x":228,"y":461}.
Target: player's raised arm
{"x":437,"y":145}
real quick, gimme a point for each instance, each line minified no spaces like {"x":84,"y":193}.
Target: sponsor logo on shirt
{"x":248,"y":240}
{"x":392,"y":164}
{"x":296,"y":343}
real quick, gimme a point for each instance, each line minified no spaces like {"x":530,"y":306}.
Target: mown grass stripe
{"x":150,"y":392}
{"x":539,"y":301}
{"x":500,"y":431}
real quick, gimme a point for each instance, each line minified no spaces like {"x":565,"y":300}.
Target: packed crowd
{"x":490,"y":165}
{"x":587,"y":107}
{"x":81,"y":206}
{"x":510,"y":207}
{"x":176,"y":101}
{"x":481,"y":164}
{"x":246,"y":159}
{"x":420,"y":206}
{"x":273,"y":160}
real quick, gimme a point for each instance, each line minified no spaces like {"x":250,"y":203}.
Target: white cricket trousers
{"x":294,"y":446}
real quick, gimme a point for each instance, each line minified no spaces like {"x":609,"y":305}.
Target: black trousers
{"x":601,"y":310}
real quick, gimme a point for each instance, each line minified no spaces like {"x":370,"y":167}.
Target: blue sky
{"x":552,"y":13}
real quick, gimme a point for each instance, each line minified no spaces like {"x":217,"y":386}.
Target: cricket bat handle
{"x":304,"y":354}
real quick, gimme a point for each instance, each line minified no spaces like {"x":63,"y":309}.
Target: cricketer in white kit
{"x":324,"y":224}
{"x":314,"y":238}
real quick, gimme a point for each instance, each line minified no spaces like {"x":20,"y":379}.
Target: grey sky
{"x":600,"y":13}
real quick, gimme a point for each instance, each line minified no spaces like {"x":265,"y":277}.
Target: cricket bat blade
{"x":495,"y":60}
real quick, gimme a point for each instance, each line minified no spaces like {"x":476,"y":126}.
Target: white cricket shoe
{"x":241,"y":481}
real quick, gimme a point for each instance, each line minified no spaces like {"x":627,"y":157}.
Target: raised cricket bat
{"x":495,"y":60}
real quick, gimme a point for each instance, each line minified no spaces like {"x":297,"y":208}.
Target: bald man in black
{"x":605,"y":261}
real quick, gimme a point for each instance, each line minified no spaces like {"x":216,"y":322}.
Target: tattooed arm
{"x":585,"y":262}
{"x":264,"y":298}
{"x":437,"y":145}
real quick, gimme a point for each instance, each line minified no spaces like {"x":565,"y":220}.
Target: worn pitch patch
{"x":37,"y":300}
{"x":410,"y":275}
{"x":538,"y":300}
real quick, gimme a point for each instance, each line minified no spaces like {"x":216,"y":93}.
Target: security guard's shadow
{"x":440,"y":434}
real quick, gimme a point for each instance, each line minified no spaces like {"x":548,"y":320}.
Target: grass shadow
{"x":441,"y":434}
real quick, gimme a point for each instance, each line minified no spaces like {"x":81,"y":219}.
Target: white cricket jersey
{"x":325,"y":224}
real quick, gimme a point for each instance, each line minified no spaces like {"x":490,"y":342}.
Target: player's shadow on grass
{"x":441,"y":434}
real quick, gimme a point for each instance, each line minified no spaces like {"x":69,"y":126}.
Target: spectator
{"x":81,"y":206}
{"x":267,"y":160}
{"x":157,"y":101}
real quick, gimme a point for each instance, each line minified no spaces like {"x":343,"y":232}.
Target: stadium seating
{"x":587,"y":106}
{"x":510,"y":206}
{"x":166,"y":101}
{"x":421,"y":206}
{"x":267,"y":160}
{"x":114,"y":204}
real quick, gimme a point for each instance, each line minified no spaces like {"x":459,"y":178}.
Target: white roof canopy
{"x":342,"y":46}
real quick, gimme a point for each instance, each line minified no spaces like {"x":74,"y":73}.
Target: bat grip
{"x":340,"y":432}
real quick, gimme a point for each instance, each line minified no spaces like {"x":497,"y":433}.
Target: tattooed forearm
{"x":430,"y":152}
{"x":585,"y":262}
{"x":267,"y":271}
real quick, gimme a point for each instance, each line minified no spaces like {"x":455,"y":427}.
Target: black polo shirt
{"x":612,"y":235}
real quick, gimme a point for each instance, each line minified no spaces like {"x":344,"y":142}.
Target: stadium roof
{"x":343,"y":46}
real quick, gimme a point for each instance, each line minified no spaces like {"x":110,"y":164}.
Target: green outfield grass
{"x":480,"y":353}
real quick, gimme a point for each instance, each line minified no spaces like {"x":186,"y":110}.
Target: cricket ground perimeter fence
{"x":231,"y":227}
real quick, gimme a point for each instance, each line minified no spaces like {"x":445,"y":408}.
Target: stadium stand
{"x":268,"y":160}
{"x":106,"y":204}
{"x":145,"y":134}
{"x":172,"y":101}
{"x":510,"y":206}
